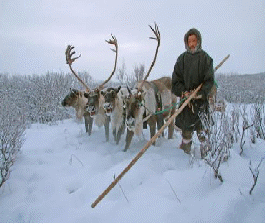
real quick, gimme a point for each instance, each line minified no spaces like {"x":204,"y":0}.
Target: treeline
{"x":38,"y":98}
{"x":241,"y":88}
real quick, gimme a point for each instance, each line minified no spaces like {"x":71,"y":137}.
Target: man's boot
{"x":186,"y":146}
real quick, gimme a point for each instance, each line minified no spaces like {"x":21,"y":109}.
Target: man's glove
{"x":186,"y":94}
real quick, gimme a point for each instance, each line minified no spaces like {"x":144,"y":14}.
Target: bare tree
{"x":219,"y":140}
{"x":122,"y":75}
{"x":259,"y":119}
{"x":246,"y":124}
{"x":12,"y":127}
{"x":235,"y":114}
{"x":139,"y":72}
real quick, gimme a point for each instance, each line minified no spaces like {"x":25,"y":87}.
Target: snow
{"x":61,"y":171}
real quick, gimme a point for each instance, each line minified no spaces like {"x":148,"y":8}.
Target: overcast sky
{"x":34,"y":34}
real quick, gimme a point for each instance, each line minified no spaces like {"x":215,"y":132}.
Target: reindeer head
{"x":134,"y":104}
{"x":92,"y":105}
{"x":71,"y":98}
{"x":110,"y":95}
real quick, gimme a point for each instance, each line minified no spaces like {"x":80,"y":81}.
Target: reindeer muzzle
{"x":130,"y":123}
{"x":108,"y":108}
{"x":91,"y":110}
{"x":63,"y":103}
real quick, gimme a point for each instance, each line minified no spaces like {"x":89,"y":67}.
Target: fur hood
{"x":197,"y":33}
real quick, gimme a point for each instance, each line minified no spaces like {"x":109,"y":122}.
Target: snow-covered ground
{"x":60,"y":172}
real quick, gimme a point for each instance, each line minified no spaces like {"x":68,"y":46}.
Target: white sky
{"x":34,"y":34}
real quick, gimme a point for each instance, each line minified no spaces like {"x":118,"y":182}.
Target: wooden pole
{"x":221,"y":63}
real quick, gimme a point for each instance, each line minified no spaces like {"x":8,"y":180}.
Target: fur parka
{"x":190,"y":70}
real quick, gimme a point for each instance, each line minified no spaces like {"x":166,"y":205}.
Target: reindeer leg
{"x":171,"y":130}
{"x":128,"y":139}
{"x":90,"y":120}
{"x":152,"y":124}
{"x":119,"y":133}
{"x":86,"y":123}
{"x":114,"y":134}
{"x":160,"y":122}
{"x":123,"y":126}
{"x":106,"y":127}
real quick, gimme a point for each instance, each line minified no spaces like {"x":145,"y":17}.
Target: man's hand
{"x":186,"y":95}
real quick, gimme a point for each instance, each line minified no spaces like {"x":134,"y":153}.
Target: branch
{"x":122,"y":190}
{"x":255,"y":174}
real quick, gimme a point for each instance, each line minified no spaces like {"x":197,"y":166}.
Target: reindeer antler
{"x":157,"y":37}
{"x":114,"y":42}
{"x":70,"y":60}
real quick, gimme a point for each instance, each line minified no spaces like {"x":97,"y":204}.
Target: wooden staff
{"x":221,"y":63}
{"x":152,"y":140}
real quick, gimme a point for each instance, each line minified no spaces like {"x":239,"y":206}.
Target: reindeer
{"x":150,"y":101}
{"x":154,"y":103}
{"x":93,"y":108}
{"x":77,"y":100}
{"x":114,"y":106}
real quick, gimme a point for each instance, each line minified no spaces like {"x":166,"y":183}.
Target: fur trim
{"x":197,"y":33}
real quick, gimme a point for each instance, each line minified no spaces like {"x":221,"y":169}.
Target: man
{"x":192,"y":68}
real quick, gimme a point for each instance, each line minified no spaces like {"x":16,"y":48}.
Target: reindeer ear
{"x":75,"y":91}
{"x":117,"y":90}
{"x":129,"y":90}
{"x":143,"y":94}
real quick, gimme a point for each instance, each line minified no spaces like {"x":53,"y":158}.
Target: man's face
{"x":192,"y":42}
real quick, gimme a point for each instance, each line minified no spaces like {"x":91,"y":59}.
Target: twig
{"x":245,"y":127}
{"x":255,"y":174}
{"x":122,"y":190}
{"x":173,"y":191}
{"x":216,"y":170}
{"x":70,"y":161}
